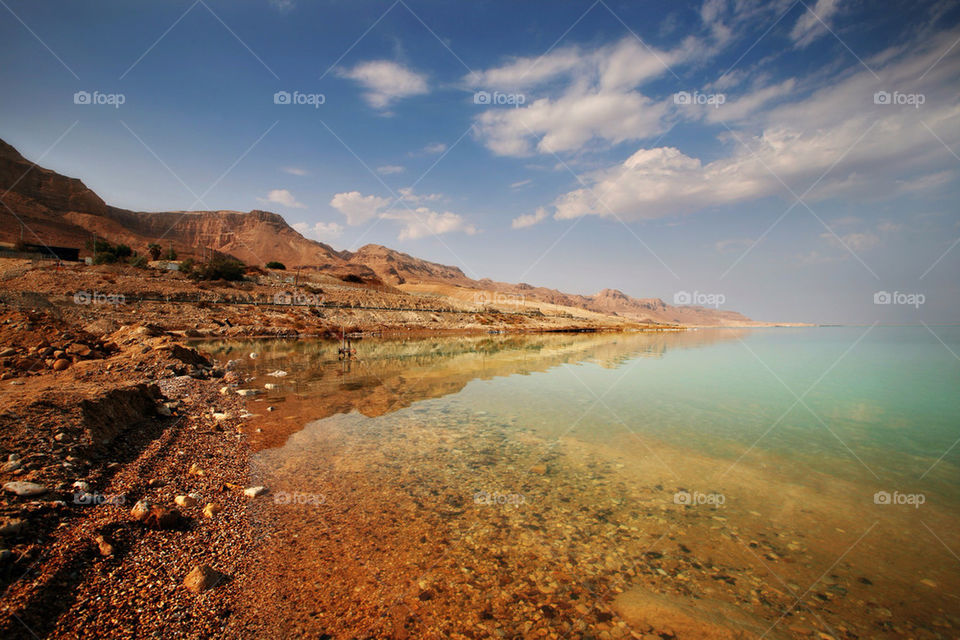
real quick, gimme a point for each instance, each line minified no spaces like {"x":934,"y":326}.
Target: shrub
{"x":220,"y":269}
{"x":138,"y":261}
{"x":171,"y":254}
{"x":273,"y":264}
{"x":155,"y":250}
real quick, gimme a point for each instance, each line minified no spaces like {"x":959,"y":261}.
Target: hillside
{"x":62,"y":211}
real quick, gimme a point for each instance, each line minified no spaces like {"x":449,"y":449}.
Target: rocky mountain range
{"x":44,"y":207}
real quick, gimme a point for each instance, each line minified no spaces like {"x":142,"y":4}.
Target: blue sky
{"x":793,"y":157}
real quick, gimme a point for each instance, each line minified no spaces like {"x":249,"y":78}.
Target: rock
{"x":11,"y":526}
{"x":253,"y":492}
{"x":211,"y":510}
{"x":81,"y":486}
{"x":13,"y":457}
{"x":185,"y":501}
{"x":202,"y":577}
{"x":141,"y":509}
{"x":155,"y":482}
{"x":271,"y":408}
{"x":164,"y":410}
{"x":25,"y":488}
{"x":161,"y":518}
{"x":539,"y":469}
{"x":247,"y":392}
{"x":195,"y":470}
{"x":927,"y":582}
{"x":5,"y":556}
{"x":106,"y":546}
{"x":61,"y":364}
{"x":220,"y":417}
{"x":12,"y":465}
{"x":78,"y":349}
{"x":9,"y":351}
{"x":271,"y":386}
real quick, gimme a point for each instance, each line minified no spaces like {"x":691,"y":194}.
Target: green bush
{"x":155,"y":250}
{"x":171,"y":254}
{"x":273,"y":264}
{"x":138,"y":261}
{"x":220,"y":269}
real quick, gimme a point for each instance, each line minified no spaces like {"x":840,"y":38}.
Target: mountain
{"x":52,"y":209}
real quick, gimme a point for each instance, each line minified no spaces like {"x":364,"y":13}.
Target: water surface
{"x":721,"y":483}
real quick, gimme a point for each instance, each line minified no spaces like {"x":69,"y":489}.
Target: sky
{"x":791,"y":160}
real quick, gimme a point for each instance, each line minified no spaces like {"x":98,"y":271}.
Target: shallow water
{"x":721,"y":483}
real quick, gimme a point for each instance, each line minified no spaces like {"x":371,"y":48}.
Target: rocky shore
{"x":124,"y":483}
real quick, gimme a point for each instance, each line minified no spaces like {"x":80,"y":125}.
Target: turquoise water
{"x":889,"y":396}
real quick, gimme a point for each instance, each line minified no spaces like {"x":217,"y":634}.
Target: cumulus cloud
{"x":357,"y":207}
{"x":866,"y":150}
{"x":422,"y":222}
{"x":282,"y":197}
{"x":529,"y":219}
{"x":385,"y":82}
{"x":592,"y":94}
{"x":417,"y":222}
{"x":322,"y":231}
{"x":390,"y":169}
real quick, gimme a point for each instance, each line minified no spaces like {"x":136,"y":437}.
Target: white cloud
{"x":296,"y":171}
{"x":390,"y":169}
{"x":813,"y":22}
{"x":416,"y":223}
{"x":407,"y":195}
{"x":357,"y":207}
{"x":529,"y":219}
{"x":592,"y":94}
{"x":386,"y":81}
{"x":435,"y":148}
{"x":520,"y":183}
{"x":878,"y":149}
{"x":282,"y":197}
{"x":422,"y":222}
{"x":322,"y":231}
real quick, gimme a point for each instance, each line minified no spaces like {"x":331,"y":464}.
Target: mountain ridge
{"x":60,"y":210}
